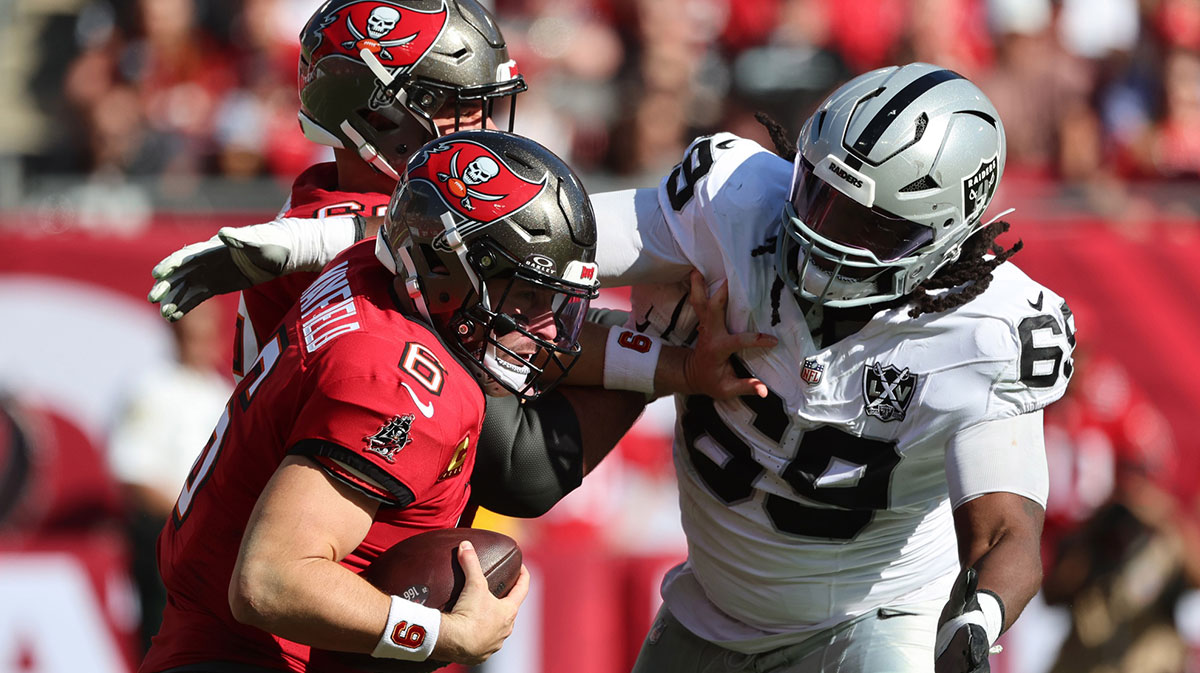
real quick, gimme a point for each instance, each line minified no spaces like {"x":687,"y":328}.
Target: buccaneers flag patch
{"x":392,"y":437}
{"x":398,"y":36}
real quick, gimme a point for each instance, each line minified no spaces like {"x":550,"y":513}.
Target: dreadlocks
{"x":971,"y":272}
{"x":779,"y":136}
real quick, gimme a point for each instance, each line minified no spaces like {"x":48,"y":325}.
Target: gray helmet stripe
{"x":890,"y":112}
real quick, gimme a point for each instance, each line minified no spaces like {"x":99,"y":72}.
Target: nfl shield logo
{"x":811,"y":373}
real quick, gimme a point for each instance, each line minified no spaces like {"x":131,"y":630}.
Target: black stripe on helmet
{"x":891,"y":111}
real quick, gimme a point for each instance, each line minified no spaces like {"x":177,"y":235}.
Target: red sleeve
{"x":361,"y":426}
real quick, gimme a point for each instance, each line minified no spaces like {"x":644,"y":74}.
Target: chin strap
{"x":412,"y":285}
{"x":990,"y":222}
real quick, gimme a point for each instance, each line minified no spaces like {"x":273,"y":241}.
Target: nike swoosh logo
{"x":641,"y":326}
{"x":888,"y":613}
{"x":426,"y":408}
{"x":1037,"y":306}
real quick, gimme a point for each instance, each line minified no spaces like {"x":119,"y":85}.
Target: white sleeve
{"x":634,"y":244}
{"x":1006,"y":455}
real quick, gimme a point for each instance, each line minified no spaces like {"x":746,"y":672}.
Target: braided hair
{"x":972,"y":270}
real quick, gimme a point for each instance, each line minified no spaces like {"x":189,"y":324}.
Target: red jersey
{"x":350,"y":382}
{"x":260,"y":308}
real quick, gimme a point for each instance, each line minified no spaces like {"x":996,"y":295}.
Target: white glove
{"x":239,"y":257}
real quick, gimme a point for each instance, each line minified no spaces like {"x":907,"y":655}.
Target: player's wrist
{"x":993,"y":614}
{"x":412,"y":632}
{"x":315,"y":242}
{"x":631,"y":360}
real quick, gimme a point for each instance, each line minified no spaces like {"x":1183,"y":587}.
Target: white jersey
{"x":828,"y":498}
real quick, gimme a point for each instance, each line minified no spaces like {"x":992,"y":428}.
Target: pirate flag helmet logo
{"x":476,"y":183}
{"x":398,"y":36}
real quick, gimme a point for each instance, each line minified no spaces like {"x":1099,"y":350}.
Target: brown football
{"x":425,"y":569}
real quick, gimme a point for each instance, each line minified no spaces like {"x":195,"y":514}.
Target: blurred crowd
{"x":207,"y":87}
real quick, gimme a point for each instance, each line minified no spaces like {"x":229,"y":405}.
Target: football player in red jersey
{"x":357,"y":426}
{"x":378,"y":79}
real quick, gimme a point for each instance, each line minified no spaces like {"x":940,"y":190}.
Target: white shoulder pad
{"x":723,"y":198}
{"x":1032,"y":328}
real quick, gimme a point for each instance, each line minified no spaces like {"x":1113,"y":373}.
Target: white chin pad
{"x":514,"y":375}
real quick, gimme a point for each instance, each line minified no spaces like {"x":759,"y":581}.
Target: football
{"x":425,"y":569}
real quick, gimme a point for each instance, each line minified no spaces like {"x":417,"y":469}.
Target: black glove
{"x":962,"y":644}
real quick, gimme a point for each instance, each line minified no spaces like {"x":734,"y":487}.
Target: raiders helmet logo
{"x":473,"y":182}
{"x":888,"y":391}
{"x":398,"y":36}
{"x":978,"y":189}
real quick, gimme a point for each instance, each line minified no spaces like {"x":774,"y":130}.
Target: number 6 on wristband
{"x":630,"y":359}
{"x":408,"y":635}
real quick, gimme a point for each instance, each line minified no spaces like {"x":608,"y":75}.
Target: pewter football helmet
{"x":373,"y":74}
{"x":480,"y":205}
{"x":892,"y":174}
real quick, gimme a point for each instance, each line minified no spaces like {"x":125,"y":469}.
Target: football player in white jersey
{"x":898,"y":458}
{"x":880,"y":508}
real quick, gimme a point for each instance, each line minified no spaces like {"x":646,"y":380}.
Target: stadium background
{"x":128,"y":128}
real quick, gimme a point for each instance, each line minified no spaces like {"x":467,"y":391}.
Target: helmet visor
{"x":844,"y":221}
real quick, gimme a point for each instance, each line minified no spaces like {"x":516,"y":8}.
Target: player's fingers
{"x":167,"y":265}
{"x":158,"y":291}
{"x":755,"y":387}
{"x":470,"y":565}
{"x":752,"y":340}
{"x":183,"y":256}
{"x":177,"y":298}
{"x":717,"y":303}
{"x":192,"y":297}
{"x":520,"y":588}
{"x":741,"y":388}
{"x":698,"y":296}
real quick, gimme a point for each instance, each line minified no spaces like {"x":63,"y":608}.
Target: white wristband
{"x":993,"y":615}
{"x":411,"y":632}
{"x":630,"y":359}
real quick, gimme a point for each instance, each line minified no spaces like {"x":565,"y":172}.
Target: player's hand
{"x":239,"y":257}
{"x":479,"y":622}
{"x":707,"y":369}
{"x":962,"y":642}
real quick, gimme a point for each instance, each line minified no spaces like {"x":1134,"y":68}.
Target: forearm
{"x":605,"y":416}
{"x":287,"y":579}
{"x":669,"y":366}
{"x":313,"y":601}
{"x":1008,"y":562}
